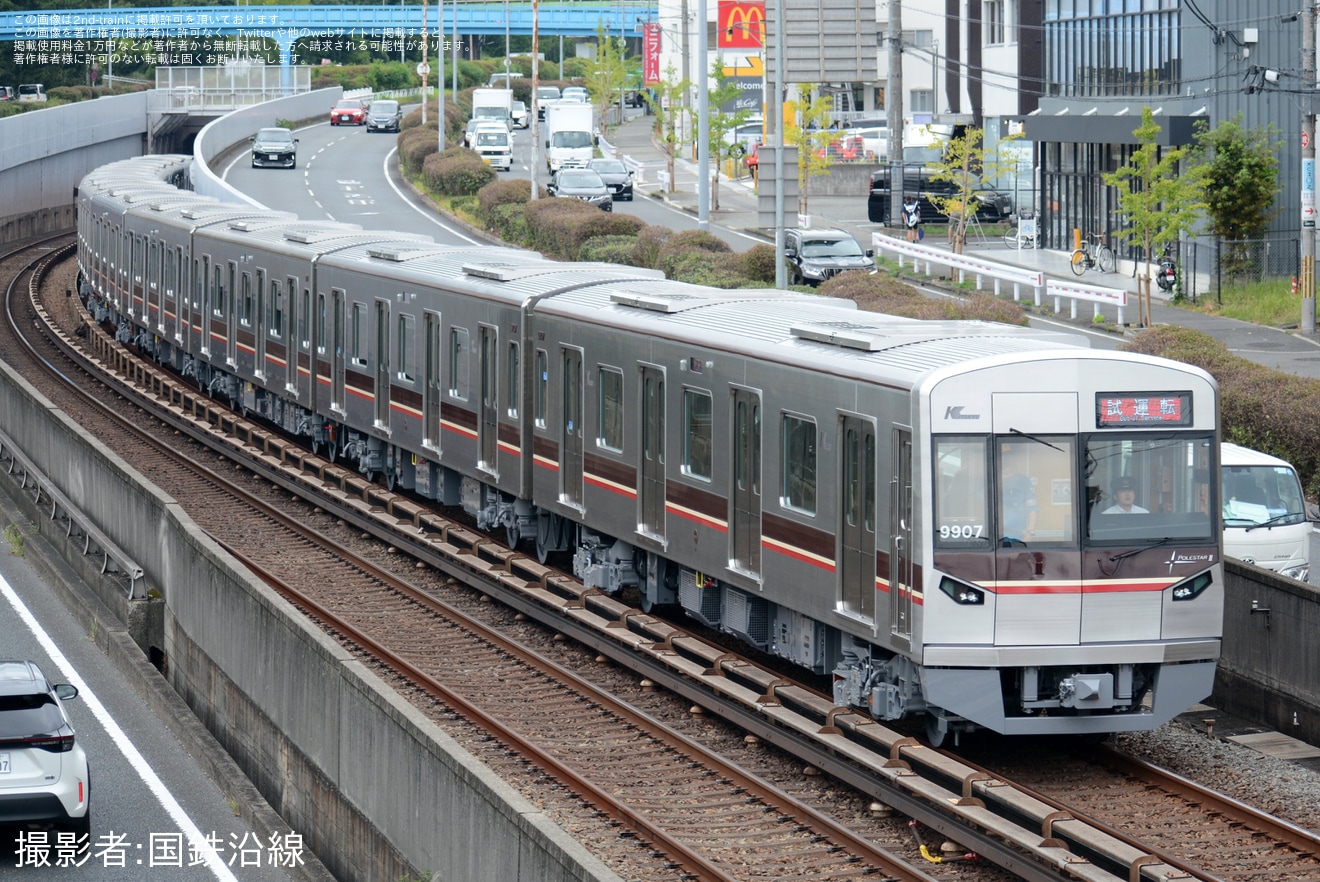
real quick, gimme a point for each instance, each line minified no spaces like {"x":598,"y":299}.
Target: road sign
{"x":423,"y":69}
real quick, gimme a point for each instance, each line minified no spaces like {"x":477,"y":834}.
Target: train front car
{"x":1067,"y":574}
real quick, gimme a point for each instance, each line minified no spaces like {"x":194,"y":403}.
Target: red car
{"x":752,"y":159}
{"x":349,"y":112}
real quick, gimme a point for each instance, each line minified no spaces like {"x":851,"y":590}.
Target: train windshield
{"x":1039,"y":490}
{"x":1149,"y":487}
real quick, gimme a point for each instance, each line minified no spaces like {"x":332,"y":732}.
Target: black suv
{"x":816,"y":255}
{"x":274,"y":147}
{"x":991,"y":205}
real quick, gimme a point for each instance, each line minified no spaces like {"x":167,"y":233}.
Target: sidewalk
{"x":1282,"y":350}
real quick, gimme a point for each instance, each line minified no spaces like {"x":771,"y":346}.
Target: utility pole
{"x":1308,"y":169}
{"x":776,"y":108}
{"x":703,"y":120}
{"x":422,"y":69}
{"x":894,"y":111}
{"x":536,"y":102}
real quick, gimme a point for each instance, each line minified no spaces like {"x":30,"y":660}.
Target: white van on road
{"x":1265,"y":515}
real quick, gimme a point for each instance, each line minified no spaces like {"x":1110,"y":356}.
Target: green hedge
{"x":456,"y":172}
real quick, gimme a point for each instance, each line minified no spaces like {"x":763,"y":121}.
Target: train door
{"x":857,"y":513}
{"x":230,"y":314}
{"x":900,"y":538}
{"x":382,"y":364}
{"x":154,"y":287}
{"x":432,"y":388}
{"x":211,"y":276}
{"x":745,"y":489}
{"x":570,"y":465}
{"x":488,"y":423}
{"x":338,"y":347}
{"x":651,"y":487}
{"x":315,"y":348}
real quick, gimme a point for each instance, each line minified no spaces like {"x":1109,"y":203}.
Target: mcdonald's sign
{"x":742,"y":25}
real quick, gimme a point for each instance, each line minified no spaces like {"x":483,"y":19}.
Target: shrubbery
{"x":881,"y":292}
{"x":415,"y":145}
{"x":678,"y":245}
{"x":501,"y":192}
{"x":559,"y":227}
{"x":456,"y":172}
{"x":1259,"y":407}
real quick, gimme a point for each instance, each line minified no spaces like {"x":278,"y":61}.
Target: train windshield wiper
{"x":1013,"y":431}
{"x":1156,"y":544}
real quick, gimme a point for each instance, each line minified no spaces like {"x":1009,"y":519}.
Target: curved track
{"x":1013,"y":827}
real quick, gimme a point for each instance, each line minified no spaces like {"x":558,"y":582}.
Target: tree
{"x":608,"y":77}
{"x":811,"y":138}
{"x":1161,"y":193}
{"x":669,"y":112}
{"x":719,"y":123}
{"x":963,"y":164}
{"x":1241,"y":178}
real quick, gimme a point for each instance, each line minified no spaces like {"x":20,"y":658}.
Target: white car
{"x":522,"y":117}
{"x":742,"y":136}
{"x":575,"y":95}
{"x":43,"y":770}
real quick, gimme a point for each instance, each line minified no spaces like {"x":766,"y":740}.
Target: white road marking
{"x":121,"y":739}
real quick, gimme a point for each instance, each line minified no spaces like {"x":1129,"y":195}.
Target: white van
{"x":1265,"y":520}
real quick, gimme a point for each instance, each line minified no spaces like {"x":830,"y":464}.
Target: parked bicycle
{"x":1166,"y":276}
{"x":1093,"y":255}
{"x":1023,"y":232}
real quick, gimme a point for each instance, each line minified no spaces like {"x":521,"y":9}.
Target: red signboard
{"x":1166,"y":409}
{"x":742,"y":25}
{"x":650,"y":53}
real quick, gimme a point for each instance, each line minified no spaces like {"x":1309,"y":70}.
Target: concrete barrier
{"x":375,"y":788}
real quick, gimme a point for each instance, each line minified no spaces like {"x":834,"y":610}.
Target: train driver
{"x":1125,"y":498}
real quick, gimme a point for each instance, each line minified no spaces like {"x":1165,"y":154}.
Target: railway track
{"x":1019,"y":829}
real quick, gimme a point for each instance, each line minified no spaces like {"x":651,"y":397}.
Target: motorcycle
{"x":1166,"y":276}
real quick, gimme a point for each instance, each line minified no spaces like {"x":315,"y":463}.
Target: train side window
{"x":542,"y":383}
{"x":275,"y":306}
{"x":799,"y":464}
{"x":218,"y":292}
{"x":407,"y":370}
{"x":698,"y":443}
{"x":458,"y":363}
{"x":245,"y":302}
{"x":515,"y":382}
{"x":610,"y":389}
{"x":961,"y":517}
{"x":305,"y":320}
{"x":358,"y":352}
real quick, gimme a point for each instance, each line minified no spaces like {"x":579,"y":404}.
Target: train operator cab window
{"x":799,"y":465}
{"x":1149,"y":487}
{"x":962,"y":519}
{"x":542,"y":385}
{"x":698,"y":442}
{"x":611,"y":409}
{"x":1034,"y":481}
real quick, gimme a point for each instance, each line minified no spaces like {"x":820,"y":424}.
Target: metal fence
{"x":1207,"y":266}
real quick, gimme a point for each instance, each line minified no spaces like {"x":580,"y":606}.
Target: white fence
{"x":924,"y":257}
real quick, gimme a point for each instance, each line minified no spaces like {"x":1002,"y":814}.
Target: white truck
{"x":494,"y":145}
{"x":1265,"y":515}
{"x":569,"y":138}
{"x":493,"y":104}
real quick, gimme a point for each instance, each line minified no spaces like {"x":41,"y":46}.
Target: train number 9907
{"x":961,"y":531}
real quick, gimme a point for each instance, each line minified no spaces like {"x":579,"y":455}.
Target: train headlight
{"x":1192,"y":588}
{"x":962,"y":593}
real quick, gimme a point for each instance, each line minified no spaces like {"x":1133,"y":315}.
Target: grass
{"x":14,"y":537}
{"x":1270,"y":302}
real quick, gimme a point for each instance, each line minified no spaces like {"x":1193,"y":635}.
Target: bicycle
{"x":1023,"y":233}
{"x":1093,"y":255}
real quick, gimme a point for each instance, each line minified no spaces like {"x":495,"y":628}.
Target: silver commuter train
{"x":926,"y":511}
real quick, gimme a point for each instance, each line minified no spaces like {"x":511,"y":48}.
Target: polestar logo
{"x":956,"y":413}
{"x":1201,"y":558}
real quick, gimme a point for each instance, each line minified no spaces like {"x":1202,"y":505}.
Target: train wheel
{"x":332,"y":451}
{"x":388,"y":477}
{"x":512,"y":535}
{"x":937,"y":729}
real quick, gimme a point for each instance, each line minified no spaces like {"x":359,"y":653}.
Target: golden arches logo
{"x":742,"y":25}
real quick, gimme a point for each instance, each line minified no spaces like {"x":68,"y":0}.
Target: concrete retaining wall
{"x":1270,"y":669}
{"x":376,"y":790}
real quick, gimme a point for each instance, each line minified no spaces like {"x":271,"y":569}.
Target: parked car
{"x":616,"y":176}
{"x":992,"y":206}
{"x":815,"y":255}
{"x":7,"y":93}
{"x":744,"y":135}
{"x":636,"y":98}
{"x":581,"y":183}
{"x":384,"y":116}
{"x":44,"y":778}
{"x":348,"y":112}
{"x":522,"y":117}
{"x":752,"y":159}
{"x":32,"y":92}
{"x":274,"y":147}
